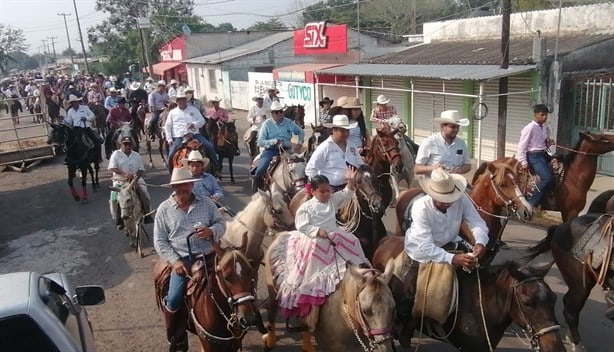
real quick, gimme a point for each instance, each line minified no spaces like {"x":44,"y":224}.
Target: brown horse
{"x":603,"y":203}
{"x":296,"y":113}
{"x":384,"y":157}
{"x":101,"y":117}
{"x":579,"y":169}
{"x":577,"y":273}
{"x":226,"y":142}
{"x":220,"y":304}
{"x":488,"y":301}
{"x":318,"y":135}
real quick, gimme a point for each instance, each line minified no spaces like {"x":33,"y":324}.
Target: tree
{"x":68,"y":52}
{"x":270,"y":25}
{"x":403,"y":16}
{"x":12,"y":41}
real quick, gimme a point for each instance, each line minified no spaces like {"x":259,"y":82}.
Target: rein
{"x":576,"y":151}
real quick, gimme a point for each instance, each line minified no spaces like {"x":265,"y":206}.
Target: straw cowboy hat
{"x":277,"y":106}
{"x":173,"y":82}
{"x":181,"y":95}
{"x":326,"y":100}
{"x":180,"y":175}
{"x":452,"y":117}
{"x":161,"y":83}
{"x":340,"y":101}
{"x":444,"y":187}
{"x":188,"y":89}
{"x":352,"y":103}
{"x":72,"y":98}
{"x":257,"y":97}
{"x":215,"y":99}
{"x":135,"y":85}
{"x":381,"y":100}
{"x":340,"y":121}
{"x":196,"y":156}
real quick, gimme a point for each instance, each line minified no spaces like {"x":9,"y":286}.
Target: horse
{"x":156,"y":132}
{"x":266,"y":210}
{"x":357,"y":315}
{"x":384,"y":157}
{"x":126,"y":129}
{"x":131,"y":212}
{"x":496,"y":195}
{"x":579,"y":169}
{"x":488,"y":300}
{"x":15,"y":106}
{"x":80,"y":154}
{"x":226,"y":142}
{"x":101,"y":117}
{"x":319,"y":134}
{"x":580,"y":274}
{"x":408,"y":150}
{"x":220,"y":304}
{"x":296,"y":113}
{"x":603,"y":203}
{"x":287,"y":174}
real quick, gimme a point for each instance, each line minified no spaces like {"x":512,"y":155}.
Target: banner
{"x":319,"y":38}
{"x":293,"y":93}
{"x":258,"y":83}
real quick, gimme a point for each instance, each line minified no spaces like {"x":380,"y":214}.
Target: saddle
{"x":594,"y":248}
{"x":528,"y":181}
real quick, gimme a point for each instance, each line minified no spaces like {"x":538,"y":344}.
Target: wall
{"x":198,"y":77}
{"x":238,"y":95}
{"x":593,"y":19}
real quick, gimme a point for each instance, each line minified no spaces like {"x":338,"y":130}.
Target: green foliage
{"x":270,"y":25}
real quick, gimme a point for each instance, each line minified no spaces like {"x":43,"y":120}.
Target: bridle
{"x":535,"y":335}
{"x":294,"y":180}
{"x":390,"y":153}
{"x":278,"y":223}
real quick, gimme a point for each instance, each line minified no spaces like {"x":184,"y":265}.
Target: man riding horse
{"x":179,"y":215}
{"x":81,"y":117}
{"x":117,"y":116}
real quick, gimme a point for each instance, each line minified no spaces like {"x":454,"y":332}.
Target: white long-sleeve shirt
{"x":431,"y":229}
{"x":178,"y":121}
{"x":329,"y":160}
{"x":313,"y":215}
{"x":73,"y":117}
{"x":254,"y":117}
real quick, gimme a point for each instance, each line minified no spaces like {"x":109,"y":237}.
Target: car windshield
{"x":19,"y":333}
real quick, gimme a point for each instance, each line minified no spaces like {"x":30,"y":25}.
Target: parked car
{"x":45,"y":313}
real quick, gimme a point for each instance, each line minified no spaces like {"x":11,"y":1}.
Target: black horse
{"x":318,"y":135}
{"x":226,"y":142}
{"x":81,"y":153}
{"x":296,"y":113}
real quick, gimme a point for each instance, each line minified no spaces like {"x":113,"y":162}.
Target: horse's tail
{"x":542,"y":246}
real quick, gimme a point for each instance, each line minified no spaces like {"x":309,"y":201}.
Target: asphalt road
{"x":43,"y":229}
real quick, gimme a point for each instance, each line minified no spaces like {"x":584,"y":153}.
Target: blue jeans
{"x":208,"y":146}
{"x":265,"y":159}
{"x":540,"y":162}
{"x":177,"y":288}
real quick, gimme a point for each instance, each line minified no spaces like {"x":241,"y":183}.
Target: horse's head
{"x":235,"y":278}
{"x":385,"y":147}
{"x":368,"y":188}
{"x":127,"y":200}
{"x":278,"y":216}
{"x":58,"y":134}
{"x":531,"y":303}
{"x":369,"y":304}
{"x":504,"y":185}
{"x":594,"y":143}
{"x":293,"y":168}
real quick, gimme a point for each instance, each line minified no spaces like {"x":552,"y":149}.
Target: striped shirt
{"x":173,"y":225}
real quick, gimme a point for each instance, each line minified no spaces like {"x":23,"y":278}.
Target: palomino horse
{"x":226,"y":142}
{"x":358,"y":315}
{"x":288,"y":175}
{"x":580,"y":274}
{"x":296,"y":113}
{"x":153,"y":133}
{"x":319,"y":134}
{"x":80,"y":154}
{"x":131,"y":212}
{"x":579,"y":169}
{"x":220,"y":305}
{"x":488,"y":301}
{"x":266,"y":210}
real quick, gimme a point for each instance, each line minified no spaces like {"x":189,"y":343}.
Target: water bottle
{"x":197,"y":226}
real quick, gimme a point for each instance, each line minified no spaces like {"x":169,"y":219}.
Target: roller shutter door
{"x":489,"y":124}
{"x":335,"y":92}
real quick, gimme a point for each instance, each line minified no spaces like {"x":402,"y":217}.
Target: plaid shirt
{"x":380,"y":116}
{"x":173,"y":225}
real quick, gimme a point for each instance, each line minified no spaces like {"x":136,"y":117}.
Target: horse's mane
{"x":232,"y":255}
{"x":568,"y":157}
{"x":513,"y":268}
{"x":479,"y":172}
{"x":247,"y":208}
{"x":500,"y":172}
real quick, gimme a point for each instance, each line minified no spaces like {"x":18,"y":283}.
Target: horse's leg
{"x":72,"y":171}
{"x":307,"y":343}
{"x":148,"y":147}
{"x":91,"y":171}
{"x":270,"y":339}
{"x":84,"y":182}
{"x":232,"y":175}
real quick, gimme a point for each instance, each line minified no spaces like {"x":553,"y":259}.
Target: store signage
{"x":294,"y":93}
{"x":320,"y":38}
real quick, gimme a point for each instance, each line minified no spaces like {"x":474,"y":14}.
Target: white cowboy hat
{"x":340,"y":121}
{"x":73,"y":98}
{"x":112,"y":90}
{"x":149,"y":79}
{"x":277,"y":106}
{"x":135,"y":85}
{"x":214,"y":99}
{"x":188,"y":89}
{"x":173,"y":81}
{"x":381,"y":100}
{"x":180,"y":175}
{"x":453,"y":117}
{"x":196,"y":156}
{"x":444,"y":187}
{"x":272,"y":89}
{"x":161,"y":83}
{"x":352,"y":103}
{"x":255,"y":98}
{"x":181,"y":95}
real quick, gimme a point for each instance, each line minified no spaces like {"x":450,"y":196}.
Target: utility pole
{"x":503,"y":82}
{"x":55,"y":56}
{"x":87,"y":69}
{"x":72,"y":59}
{"x":144,"y":26}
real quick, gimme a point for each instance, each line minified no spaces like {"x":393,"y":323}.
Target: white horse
{"x":131,"y":212}
{"x":409,"y":161}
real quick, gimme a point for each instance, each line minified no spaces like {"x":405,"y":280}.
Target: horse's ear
{"x":356,"y":274}
{"x":388,"y":271}
{"x":266,"y":195}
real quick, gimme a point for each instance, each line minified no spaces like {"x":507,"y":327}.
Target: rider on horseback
{"x":206,"y":186}
{"x":197,"y":103}
{"x":157,"y":102}
{"x":117,"y":116}
{"x":176,"y":218}
{"x":126,"y":165}
{"x":81,"y":117}
{"x":275,"y":134}
{"x":218,"y":113}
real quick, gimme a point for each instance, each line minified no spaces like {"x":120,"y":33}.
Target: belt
{"x":537,"y":152}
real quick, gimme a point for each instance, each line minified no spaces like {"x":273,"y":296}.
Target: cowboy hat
{"x":180,"y":175}
{"x":340,"y":121}
{"x":196,"y":156}
{"x":215,"y":99}
{"x":444,"y":187}
{"x":277,"y":106}
{"x":126,"y":139}
{"x":72,"y":98}
{"x":149,"y":79}
{"x":257,"y":97}
{"x":181,"y":95}
{"x":173,"y":81}
{"x":135,"y":85}
{"x":381,"y":100}
{"x":272,"y":89}
{"x":452,"y":117}
{"x":161,"y":83}
{"x":340,"y":101}
{"x":326,"y":100}
{"x":188,"y":89}
{"x":352,"y":103}
{"x":112,"y":90}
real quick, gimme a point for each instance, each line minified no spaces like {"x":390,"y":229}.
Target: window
{"x":212,"y":79}
{"x":60,"y":306}
{"x":19,"y":333}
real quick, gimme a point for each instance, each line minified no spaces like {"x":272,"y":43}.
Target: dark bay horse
{"x":220,"y":305}
{"x":577,"y":273}
{"x":318,"y":135}
{"x":580,"y":167}
{"x":296,"y":113}
{"x":80,"y":154}
{"x":226,"y":142}
{"x":489,"y":300}
{"x":101,"y":118}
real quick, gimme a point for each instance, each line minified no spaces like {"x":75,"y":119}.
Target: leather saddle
{"x":528,"y":181}
{"x":594,"y":248}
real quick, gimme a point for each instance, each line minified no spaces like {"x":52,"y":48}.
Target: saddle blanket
{"x":595,"y":245}
{"x":436,"y":293}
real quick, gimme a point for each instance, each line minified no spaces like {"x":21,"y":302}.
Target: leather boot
{"x":176,"y":334}
{"x":257,"y":183}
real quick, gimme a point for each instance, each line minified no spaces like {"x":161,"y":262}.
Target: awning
{"x":160,"y":67}
{"x":449,"y":72}
{"x":301,"y":72}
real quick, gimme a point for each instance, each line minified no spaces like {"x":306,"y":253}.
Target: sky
{"x":39,"y":19}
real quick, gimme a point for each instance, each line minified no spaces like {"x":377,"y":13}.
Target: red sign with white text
{"x":318,"y":38}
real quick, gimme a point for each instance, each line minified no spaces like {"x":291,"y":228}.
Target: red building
{"x":171,"y":56}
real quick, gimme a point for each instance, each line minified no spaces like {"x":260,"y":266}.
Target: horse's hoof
{"x":151,"y":165}
{"x":77,"y":198}
{"x":269,"y":340}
